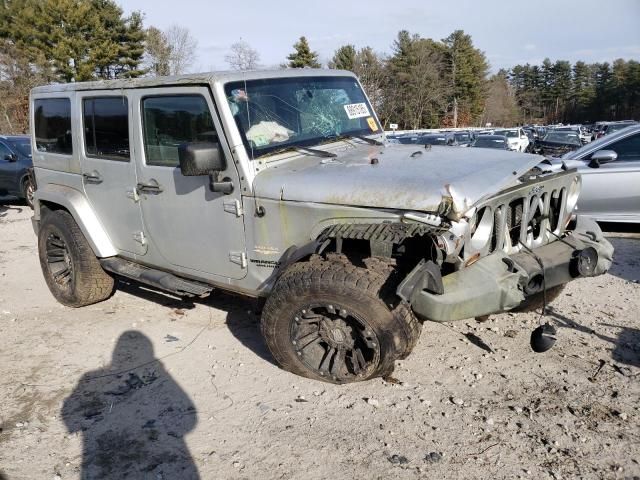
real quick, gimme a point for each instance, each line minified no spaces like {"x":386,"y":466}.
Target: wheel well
{"x":406,"y":252}
{"x":23,"y":181}
{"x":46,"y":207}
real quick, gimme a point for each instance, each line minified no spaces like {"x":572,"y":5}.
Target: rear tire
{"x":72,"y":271}
{"x":332,"y":321}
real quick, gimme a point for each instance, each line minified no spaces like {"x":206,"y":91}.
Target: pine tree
{"x":467,"y":70}
{"x":344,"y":58}
{"x":303,"y":56}
{"x":79,"y":39}
{"x":583,"y":91}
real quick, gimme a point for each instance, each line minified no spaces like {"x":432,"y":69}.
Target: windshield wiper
{"x":370,"y":141}
{"x":305,"y":150}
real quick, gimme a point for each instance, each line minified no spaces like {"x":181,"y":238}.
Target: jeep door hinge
{"x":234,"y":207}
{"x":140,"y":238}
{"x":239,"y":258}
{"x":133,"y":195}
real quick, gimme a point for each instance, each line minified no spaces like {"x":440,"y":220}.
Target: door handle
{"x":93,"y":177}
{"x":152,"y":187}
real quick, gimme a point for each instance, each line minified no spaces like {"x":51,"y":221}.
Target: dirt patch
{"x":195,"y":392}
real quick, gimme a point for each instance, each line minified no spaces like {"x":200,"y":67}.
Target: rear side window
{"x":172,"y":120}
{"x":4,"y":151}
{"x":106,"y":128}
{"x":52,"y":119}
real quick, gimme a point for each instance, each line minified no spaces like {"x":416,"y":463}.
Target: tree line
{"x":421,"y":83}
{"x":45,"y":41}
{"x":561,"y":92}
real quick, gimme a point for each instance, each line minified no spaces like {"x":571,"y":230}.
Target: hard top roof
{"x":190,"y":79}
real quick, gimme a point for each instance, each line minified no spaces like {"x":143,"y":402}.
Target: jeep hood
{"x":405,"y":177}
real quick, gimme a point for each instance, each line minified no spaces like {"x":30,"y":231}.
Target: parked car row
{"x":610,"y":171}
{"x":609,"y":165}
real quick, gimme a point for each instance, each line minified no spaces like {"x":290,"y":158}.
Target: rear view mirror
{"x":601,"y":157}
{"x":10,"y":157}
{"x":205,"y":158}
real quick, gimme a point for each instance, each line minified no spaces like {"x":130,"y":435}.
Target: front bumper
{"x":499,"y":282}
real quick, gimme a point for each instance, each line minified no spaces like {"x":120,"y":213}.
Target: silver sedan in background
{"x":610,"y":169}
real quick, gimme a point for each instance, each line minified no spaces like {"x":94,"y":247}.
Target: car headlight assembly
{"x":573,"y":193}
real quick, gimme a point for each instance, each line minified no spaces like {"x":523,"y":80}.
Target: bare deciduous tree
{"x":242,"y":56}
{"x":183,"y":49}
{"x":18,"y":75}
{"x":157,"y":55}
{"x":169,"y":52}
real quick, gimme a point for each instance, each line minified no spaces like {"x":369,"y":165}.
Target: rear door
{"x":109,"y":174}
{"x":190,"y":229}
{"x":612,"y":192}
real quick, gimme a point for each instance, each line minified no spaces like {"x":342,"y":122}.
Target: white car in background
{"x":517,"y":139}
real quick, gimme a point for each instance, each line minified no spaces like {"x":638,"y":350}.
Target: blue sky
{"x":509,"y":32}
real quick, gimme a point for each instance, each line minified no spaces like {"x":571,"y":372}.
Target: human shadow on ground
{"x":626,"y":343}
{"x":6,"y":205}
{"x":243,"y":313}
{"x":132,"y":416}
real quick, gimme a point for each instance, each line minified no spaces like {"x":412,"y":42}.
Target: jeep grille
{"x":532,"y":214}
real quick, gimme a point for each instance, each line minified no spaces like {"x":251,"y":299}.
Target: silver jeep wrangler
{"x":280,"y":184}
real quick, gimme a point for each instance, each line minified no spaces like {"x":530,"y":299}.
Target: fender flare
{"x":77,"y":205}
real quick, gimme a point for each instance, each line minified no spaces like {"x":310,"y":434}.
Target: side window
{"x":106,"y":127}
{"x":627,"y":149}
{"x":4,"y":151}
{"x":52,"y":118}
{"x":169,"y":121}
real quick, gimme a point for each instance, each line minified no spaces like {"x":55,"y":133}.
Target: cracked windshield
{"x":277,"y":114}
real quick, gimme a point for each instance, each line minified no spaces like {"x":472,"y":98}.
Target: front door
{"x":612,"y":191}
{"x":190,"y":229}
{"x":108,"y":171}
{"x":8,"y":171}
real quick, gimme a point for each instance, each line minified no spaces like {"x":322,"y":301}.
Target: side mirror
{"x":205,"y":158}
{"x":601,"y":157}
{"x":11,"y":157}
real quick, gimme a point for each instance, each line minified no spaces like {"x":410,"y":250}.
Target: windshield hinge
{"x":234,"y":207}
{"x":239,"y":258}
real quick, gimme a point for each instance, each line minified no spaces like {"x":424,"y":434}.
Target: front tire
{"x":72,"y":271}
{"x":332,"y":321}
{"x":28,"y":190}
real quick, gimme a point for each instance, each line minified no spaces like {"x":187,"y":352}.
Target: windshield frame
{"x":254,"y":153}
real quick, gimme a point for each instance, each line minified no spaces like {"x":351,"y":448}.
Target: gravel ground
{"x":146,"y":386}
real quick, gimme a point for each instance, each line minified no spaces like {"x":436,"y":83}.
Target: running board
{"x":155,"y":278}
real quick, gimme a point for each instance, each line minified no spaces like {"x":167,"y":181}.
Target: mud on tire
{"x":72,"y":271}
{"x":333,"y":321}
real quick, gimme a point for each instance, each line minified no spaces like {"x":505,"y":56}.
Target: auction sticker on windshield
{"x":356,"y":110}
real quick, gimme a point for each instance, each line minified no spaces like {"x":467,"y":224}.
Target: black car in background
{"x":424,"y":139}
{"x":462,"y":139}
{"x":16,"y":179}
{"x":491,"y":141}
{"x":557,"y":143}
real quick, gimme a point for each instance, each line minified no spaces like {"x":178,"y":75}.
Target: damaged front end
{"x":506,"y":248}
